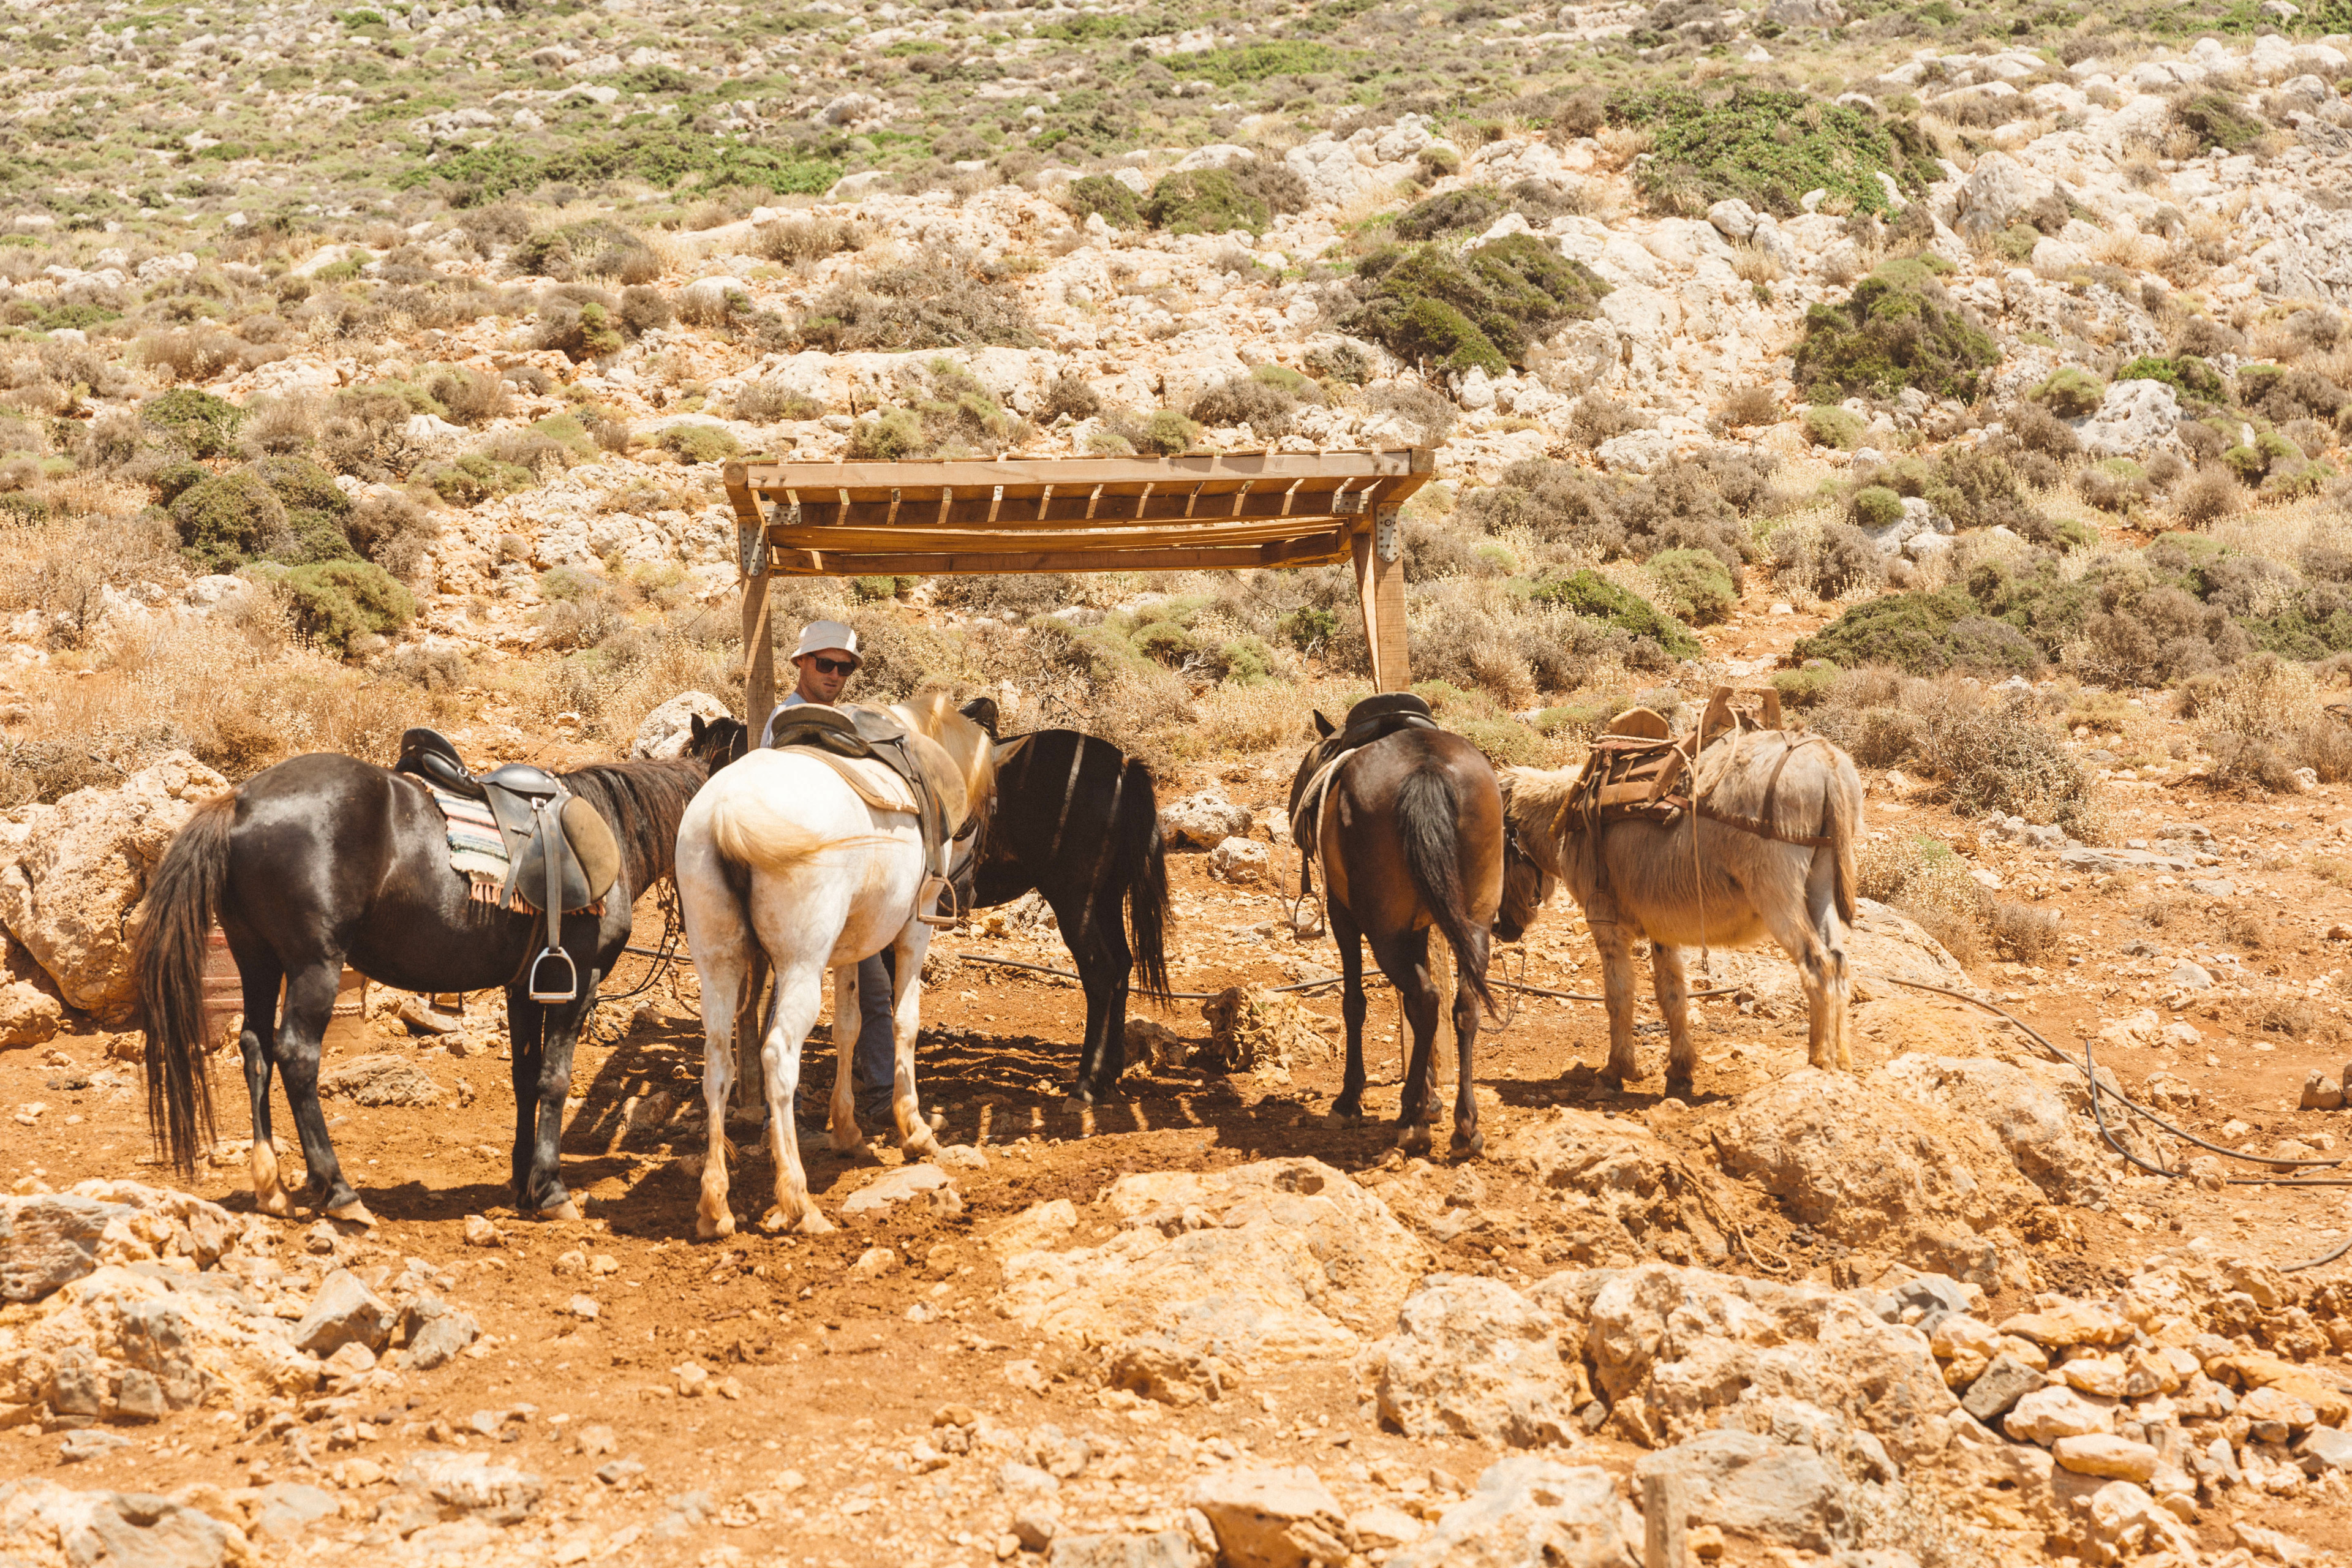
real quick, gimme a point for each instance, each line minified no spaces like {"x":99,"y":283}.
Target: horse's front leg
{"x":915,"y":1135}
{"x":1672,"y":988}
{"x":1617,"y":989}
{"x":849,"y":1027}
{"x":1350,"y":1106}
{"x":542,"y":1191}
{"x":527,"y":1051}
{"x":309,"y":1005}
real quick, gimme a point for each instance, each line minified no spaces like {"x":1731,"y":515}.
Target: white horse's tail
{"x":751,"y":829}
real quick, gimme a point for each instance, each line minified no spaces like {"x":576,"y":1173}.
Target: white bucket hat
{"x":824,"y":636}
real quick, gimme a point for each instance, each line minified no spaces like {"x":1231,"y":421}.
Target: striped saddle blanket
{"x":478,"y":852}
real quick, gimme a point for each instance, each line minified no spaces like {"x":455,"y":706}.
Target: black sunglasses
{"x":833,"y":665}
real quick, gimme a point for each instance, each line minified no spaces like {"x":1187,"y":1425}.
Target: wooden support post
{"x":759,"y":653}
{"x":1666,"y":1522}
{"x":1379,"y":594}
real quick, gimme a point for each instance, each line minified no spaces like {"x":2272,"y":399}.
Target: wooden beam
{"x":1201,"y":467}
{"x":1380,"y":596}
{"x":1212,"y":534}
{"x":1320,"y":550}
{"x":1070,"y":505}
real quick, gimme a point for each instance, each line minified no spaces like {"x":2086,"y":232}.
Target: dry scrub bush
{"x":2262,"y":722}
{"x":800,"y":241}
{"x":2022,"y":932}
{"x":1925,"y":879}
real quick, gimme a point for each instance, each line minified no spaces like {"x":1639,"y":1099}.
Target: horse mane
{"x":643,"y":802}
{"x":967,"y":743}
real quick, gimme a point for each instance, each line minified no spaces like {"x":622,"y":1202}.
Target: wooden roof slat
{"x":1105,"y":511}
{"x":1315,"y":551}
{"x":1217,"y":469}
{"x":880,"y":541}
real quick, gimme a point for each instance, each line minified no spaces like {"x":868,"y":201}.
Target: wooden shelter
{"x":1196,"y":513}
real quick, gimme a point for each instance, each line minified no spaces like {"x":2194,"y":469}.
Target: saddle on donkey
{"x":1639,"y":769}
{"x":522,"y":840}
{"x":859,"y":733}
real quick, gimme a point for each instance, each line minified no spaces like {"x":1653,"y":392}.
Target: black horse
{"x":324,"y":860}
{"x":1077,"y":820}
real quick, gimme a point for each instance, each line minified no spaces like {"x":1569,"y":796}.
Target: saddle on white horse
{"x":873,"y":750}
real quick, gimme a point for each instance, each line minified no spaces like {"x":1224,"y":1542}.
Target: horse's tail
{"x":1140,"y":865}
{"x":1429,"y":816}
{"x":184,"y":897}
{"x":1841,"y":826}
{"x":749,"y":828}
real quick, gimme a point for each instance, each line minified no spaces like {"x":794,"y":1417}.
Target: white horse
{"x":779,"y":853}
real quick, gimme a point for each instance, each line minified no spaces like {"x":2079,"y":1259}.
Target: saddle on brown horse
{"x":1375,"y":718}
{"x":1638,"y":770}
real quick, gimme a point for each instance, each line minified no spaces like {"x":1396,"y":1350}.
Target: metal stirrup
{"x":551,"y":822}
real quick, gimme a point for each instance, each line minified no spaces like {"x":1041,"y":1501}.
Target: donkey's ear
{"x":695,"y":729}
{"x":1323,"y":727}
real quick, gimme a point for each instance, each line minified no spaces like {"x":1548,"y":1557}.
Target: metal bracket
{"x":1388,"y":534}
{"x":751,"y":549}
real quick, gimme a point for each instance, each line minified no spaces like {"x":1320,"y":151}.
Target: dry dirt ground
{"x":826,"y":1374}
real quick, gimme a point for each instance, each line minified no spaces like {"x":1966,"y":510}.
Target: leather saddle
{"x":1376,"y":718}
{"x":876,"y":734}
{"x":562,"y":855}
{"x":1638,"y":768}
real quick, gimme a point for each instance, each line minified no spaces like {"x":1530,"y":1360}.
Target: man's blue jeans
{"x":875,"y":1064}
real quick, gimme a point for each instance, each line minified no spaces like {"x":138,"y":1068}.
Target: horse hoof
{"x":1468,"y":1146}
{"x":707,"y":1229}
{"x":275,"y":1205}
{"x":1335,"y":1117}
{"x":1681,"y":1088}
{"x":352,"y":1212}
{"x":810,"y":1223}
{"x":845,"y":1139}
{"x":920,"y":1144}
{"x":1413,"y":1140}
{"x":567,"y":1209}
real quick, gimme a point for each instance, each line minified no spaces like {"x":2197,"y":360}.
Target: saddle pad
{"x":478,"y":852}
{"x":878,"y":784}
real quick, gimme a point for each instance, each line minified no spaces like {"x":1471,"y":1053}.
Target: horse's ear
{"x":981,"y":710}
{"x":695,"y":730}
{"x":1323,"y":727}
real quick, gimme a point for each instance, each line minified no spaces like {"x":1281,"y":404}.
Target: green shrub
{"x":1898,"y":329}
{"x":700,"y":443}
{"x":1876,"y":506}
{"x":2217,"y":119}
{"x":2075,"y":534}
{"x":1431,"y":303}
{"x":1806,"y":685}
{"x":2016,"y":242}
{"x":1165,"y":433}
{"x":887,"y":437}
{"x":335,"y":601}
{"x":1204,"y":201}
{"x":175,"y":480}
{"x":1470,"y":207}
{"x":206,"y":426}
{"x":2248,"y":463}
{"x":1592,"y":595}
{"x":928,"y":302}
{"x":2187,"y":374}
{"x":1119,"y":207}
{"x":1700,"y":504}
{"x":1768,"y":147}
{"x":1827,"y":425}
{"x":1307,"y":628}
{"x":2071,"y":392}
{"x":227,"y":520}
{"x":1695,"y":586}
{"x":1925,"y":634}
{"x":478,"y":477}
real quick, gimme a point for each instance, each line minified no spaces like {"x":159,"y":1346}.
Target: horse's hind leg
{"x":1837,"y":980}
{"x":1405,"y":960}
{"x":1616,"y":951}
{"x":256,"y":1040}
{"x":309,"y":1005}
{"x":799,"y":995}
{"x":1468,"y":1142}
{"x":1803,"y":921}
{"x":1350,"y":1106}
{"x":915,"y":1135}
{"x":1673,"y":989}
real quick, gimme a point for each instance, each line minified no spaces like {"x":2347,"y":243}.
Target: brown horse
{"x":1408,"y":821}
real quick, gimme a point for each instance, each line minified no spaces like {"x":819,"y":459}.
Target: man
{"x":825,"y":659}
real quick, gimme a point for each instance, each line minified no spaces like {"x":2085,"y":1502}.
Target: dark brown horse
{"x":1407,"y":823}
{"x":325,"y":860}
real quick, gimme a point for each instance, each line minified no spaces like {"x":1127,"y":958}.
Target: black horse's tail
{"x":1429,"y":816}
{"x":183,"y":897}
{"x":1140,"y":865}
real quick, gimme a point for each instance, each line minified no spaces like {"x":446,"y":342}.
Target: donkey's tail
{"x":184,"y":897}
{"x":1140,"y":865}
{"x":1842,"y":824}
{"x":1429,"y":815}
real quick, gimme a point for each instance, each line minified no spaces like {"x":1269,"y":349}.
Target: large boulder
{"x":49,"y":1240}
{"x":1999,"y":193}
{"x":76,"y":871}
{"x":1530,"y":1510}
{"x":1624,"y":1186}
{"x":1858,"y":1161}
{"x":668,"y":728}
{"x":1331,"y":171}
{"x":1747,"y":1485}
{"x":1680,"y":1351}
{"x":1276,"y":1260}
{"x":1473,"y":1358}
{"x":2135,"y":419}
{"x":2043,"y":1134}
{"x":1205,"y":820}
{"x":43,"y":1522}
